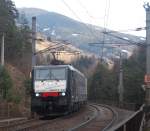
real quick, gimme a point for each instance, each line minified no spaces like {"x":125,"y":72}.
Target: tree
{"x":85,"y":64}
{"x":16,"y":38}
{"x":17,"y":44}
{"x":8,"y":14}
{"x":134,"y":71}
{"x":5,"y":83}
{"x":102,"y":85}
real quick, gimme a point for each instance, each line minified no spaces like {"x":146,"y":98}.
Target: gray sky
{"x":114,"y":14}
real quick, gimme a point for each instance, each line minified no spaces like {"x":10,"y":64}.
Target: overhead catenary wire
{"x":57,"y":48}
{"x":86,"y":10}
{"x":129,"y":30}
{"x":51,"y":48}
{"x":130,"y":41}
{"x":105,"y":20}
{"x":106,"y":16}
{"x":117,"y":44}
{"x":73,"y":12}
{"x":107,"y":8}
{"x":105,"y":32}
{"x":86,"y":25}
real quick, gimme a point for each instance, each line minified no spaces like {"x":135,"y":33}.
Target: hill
{"x":60,"y":27}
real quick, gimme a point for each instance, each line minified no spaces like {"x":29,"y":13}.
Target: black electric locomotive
{"x":57,"y":89}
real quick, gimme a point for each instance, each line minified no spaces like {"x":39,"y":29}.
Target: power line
{"x":130,"y":41}
{"x":86,"y":10}
{"x":86,"y":25}
{"x":116,"y":44}
{"x":91,"y":32}
{"x":106,"y":16}
{"x":105,"y":25}
{"x":128,"y":30}
{"x":58,"y":47}
{"x":51,"y":48}
{"x":74,"y":13}
{"x":107,"y":8}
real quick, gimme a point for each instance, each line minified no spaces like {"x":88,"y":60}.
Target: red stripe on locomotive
{"x":46,"y":94}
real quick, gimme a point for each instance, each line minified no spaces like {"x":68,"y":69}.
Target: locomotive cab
{"x":56,"y":89}
{"x":49,"y":89}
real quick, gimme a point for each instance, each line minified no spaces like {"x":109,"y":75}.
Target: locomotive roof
{"x":60,"y":66}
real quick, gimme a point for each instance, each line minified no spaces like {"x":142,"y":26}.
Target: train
{"x":57,"y":89}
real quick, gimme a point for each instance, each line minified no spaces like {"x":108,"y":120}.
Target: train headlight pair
{"x":62,"y":94}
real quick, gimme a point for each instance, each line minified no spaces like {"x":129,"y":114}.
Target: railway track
{"x":94,"y":117}
{"x":101,"y":121}
{"x":7,"y":121}
{"x":27,"y":125}
{"x":16,"y":126}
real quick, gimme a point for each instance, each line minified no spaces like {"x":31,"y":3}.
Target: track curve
{"x":93,"y":117}
{"x":102,"y":120}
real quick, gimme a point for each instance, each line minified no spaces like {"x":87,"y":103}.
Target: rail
{"x":132,"y":123}
{"x":86,"y":122}
{"x":48,"y":124}
{"x":114,"y":118}
{"x":95,"y":105}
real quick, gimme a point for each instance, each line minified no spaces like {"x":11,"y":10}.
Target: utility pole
{"x":2,"y":50}
{"x":33,"y":41}
{"x":147,"y":76}
{"x":33,"y":49}
{"x":120,"y":86}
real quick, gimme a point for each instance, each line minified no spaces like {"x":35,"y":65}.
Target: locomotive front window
{"x":50,"y":74}
{"x":43,"y":74}
{"x":58,"y":74}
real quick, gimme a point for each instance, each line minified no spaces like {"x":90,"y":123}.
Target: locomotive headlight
{"x":37,"y":94}
{"x":63,"y":94}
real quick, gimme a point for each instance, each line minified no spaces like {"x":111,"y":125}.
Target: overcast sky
{"x":113,"y":14}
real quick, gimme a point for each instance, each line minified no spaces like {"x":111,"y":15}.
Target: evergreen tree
{"x":102,"y":85}
{"x":134,"y":71}
{"x":84,"y":64}
{"x":17,"y":44}
{"x":5,"y":83}
{"x":8,"y":14}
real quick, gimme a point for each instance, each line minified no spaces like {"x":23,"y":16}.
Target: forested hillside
{"x":17,"y":43}
{"x":104,"y":82}
{"x":17,"y":55}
